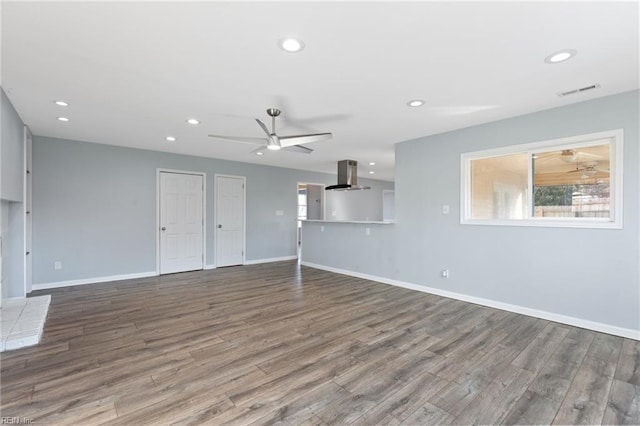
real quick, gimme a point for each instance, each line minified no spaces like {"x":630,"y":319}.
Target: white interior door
{"x":230,"y":211}
{"x":181,"y":222}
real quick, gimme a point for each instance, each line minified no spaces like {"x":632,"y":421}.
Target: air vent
{"x":580,"y":90}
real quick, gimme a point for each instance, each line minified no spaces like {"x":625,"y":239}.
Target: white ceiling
{"x":134,"y":72}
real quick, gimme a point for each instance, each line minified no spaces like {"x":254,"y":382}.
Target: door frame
{"x":324,"y":198}
{"x":215,"y":215}
{"x":204,"y":213}
{"x":324,"y":208}
{"x":27,"y":203}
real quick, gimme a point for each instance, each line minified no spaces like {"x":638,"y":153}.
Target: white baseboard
{"x":269,"y":260}
{"x":94,"y":280}
{"x":563,"y":319}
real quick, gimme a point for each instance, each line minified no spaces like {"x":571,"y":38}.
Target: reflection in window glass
{"x":572,"y":182}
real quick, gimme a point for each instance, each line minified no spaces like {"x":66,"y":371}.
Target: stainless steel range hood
{"x":347,"y":177}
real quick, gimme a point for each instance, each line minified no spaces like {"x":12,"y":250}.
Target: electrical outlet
{"x":445,"y":209}
{"x":279,"y":212}
{"x":444,"y":273}
{"x":367,"y":231}
{"x":57,"y":265}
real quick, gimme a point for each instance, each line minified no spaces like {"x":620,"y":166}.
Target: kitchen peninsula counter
{"x":352,"y":247}
{"x":370,"y":222}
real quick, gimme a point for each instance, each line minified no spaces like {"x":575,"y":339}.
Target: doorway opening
{"x":310,"y":204}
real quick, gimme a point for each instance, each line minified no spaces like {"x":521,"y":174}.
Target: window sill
{"x":548,"y":223}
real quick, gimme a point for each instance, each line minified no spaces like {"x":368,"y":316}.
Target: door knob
{"x":219,"y":226}
{"x":164,"y":228}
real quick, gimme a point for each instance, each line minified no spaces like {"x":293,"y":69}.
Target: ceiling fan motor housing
{"x":273,"y":112}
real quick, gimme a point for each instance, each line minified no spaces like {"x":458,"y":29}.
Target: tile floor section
{"x":22,"y":321}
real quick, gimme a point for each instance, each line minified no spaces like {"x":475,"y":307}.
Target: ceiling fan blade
{"x":259,"y":141}
{"x":584,"y":155}
{"x":298,"y":148}
{"x":300,"y":139}
{"x":264,"y":127}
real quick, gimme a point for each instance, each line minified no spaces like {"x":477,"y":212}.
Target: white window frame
{"x":614,"y":221}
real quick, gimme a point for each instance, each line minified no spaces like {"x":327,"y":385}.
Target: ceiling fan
{"x":568,"y":156}
{"x":589,"y":170}
{"x":276,"y":142}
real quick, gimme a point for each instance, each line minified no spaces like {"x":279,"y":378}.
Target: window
{"x":570,"y":182}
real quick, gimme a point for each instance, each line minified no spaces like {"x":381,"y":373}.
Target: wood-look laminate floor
{"x":277,"y":343}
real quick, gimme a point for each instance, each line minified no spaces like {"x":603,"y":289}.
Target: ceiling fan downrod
{"x":273,"y":113}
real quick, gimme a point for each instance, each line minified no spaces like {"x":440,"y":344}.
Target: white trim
{"x":298,"y":233}
{"x":204,"y":212}
{"x":207,"y":267}
{"x":244,"y":214}
{"x":27,"y":206}
{"x":269,"y":260}
{"x":94,"y":280}
{"x":324,"y":198}
{"x":563,"y":319}
{"x":613,"y":137}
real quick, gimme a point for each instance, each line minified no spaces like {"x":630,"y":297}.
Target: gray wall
{"x":95,"y":207}
{"x":11,"y":194}
{"x":6,"y":253}
{"x":356,"y":205}
{"x":315,"y":207}
{"x":590,"y":274}
{"x":584,"y":273}
{"x":11,"y":151}
{"x":347,"y":246}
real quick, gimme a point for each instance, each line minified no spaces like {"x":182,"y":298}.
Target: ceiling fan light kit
{"x":273,"y":144}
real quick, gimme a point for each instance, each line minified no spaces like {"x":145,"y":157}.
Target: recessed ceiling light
{"x":61,"y":103}
{"x":291,"y":44}
{"x":371,"y":172}
{"x":170,"y":139}
{"x":415,"y":103}
{"x":560,"y":56}
{"x":65,"y":119}
{"x":193,"y":121}
{"x":372,"y":163}
{"x":259,"y":153}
